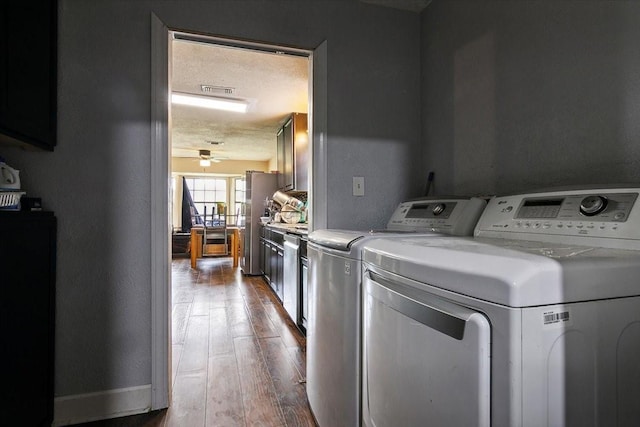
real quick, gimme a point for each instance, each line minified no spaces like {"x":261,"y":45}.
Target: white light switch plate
{"x":358,"y":185}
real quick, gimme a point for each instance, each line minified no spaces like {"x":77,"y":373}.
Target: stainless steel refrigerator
{"x":259,"y":186}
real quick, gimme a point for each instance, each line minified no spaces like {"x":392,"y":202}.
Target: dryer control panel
{"x":590,"y":213}
{"x":452,"y":216}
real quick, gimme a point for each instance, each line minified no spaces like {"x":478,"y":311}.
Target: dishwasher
{"x":304,"y":287}
{"x":291,"y":297}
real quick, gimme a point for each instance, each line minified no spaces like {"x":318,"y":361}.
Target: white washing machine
{"x":333,"y":331}
{"x":533,"y":322}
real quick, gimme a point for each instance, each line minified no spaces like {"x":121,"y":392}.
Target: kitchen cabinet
{"x":283,"y":262}
{"x":27,"y":305}
{"x":272,"y":259}
{"x":293,"y":153}
{"x":280,"y":158}
{"x":28,"y":39}
{"x":264,"y":254}
{"x":288,"y":165}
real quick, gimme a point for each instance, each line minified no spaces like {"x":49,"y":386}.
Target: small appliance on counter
{"x":292,"y":209}
{"x":283,"y":199}
{"x":290,"y":215}
{"x":10,"y":193}
{"x":31,"y":204}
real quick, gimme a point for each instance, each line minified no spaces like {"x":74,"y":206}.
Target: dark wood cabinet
{"x":272,"y":259}
{"x":262,"y":253}
{"x":27,"y":271}
{"x":272,"y":265}
{"x":288,"y":166}
{"x":28,"y":78}
{"x":292,"y":154}
{"x":280,"y":157}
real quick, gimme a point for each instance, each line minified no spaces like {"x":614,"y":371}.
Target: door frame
{"x":160,"y":155}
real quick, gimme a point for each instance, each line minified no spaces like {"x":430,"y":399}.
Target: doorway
{"x":161,"y":169}
{"x":253,"y":89}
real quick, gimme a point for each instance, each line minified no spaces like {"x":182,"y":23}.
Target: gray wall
{"x":98,"y":179}
{"x":520,"y":95}
{"x":515,"y":95}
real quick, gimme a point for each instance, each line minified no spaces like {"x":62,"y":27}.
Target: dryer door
{"x":426,"y":361}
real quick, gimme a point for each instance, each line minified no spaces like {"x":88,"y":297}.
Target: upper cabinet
{"x":293,"y":154}
{"x":28,"y":65}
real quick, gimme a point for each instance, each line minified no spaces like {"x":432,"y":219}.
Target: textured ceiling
{"x":274,"y":84}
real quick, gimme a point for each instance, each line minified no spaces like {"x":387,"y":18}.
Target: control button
{"x":602,"y":227}
{"x":579,"y":226}
{"x":590,"y":226}
{"x":614,"y":228}
{"x":536,"y":225}
{"x":439,"y":208}
{"x":527,"y":225}
{"x":559,"y":226}
{"x":569,"y":225}
{"x":518,"y":225}
{"x":546,"y":225}
{"x":593,"y":205}
{"x":619,"y":215}
{"x":508,"y":209}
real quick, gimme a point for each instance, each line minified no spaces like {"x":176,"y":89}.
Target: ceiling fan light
{"x":205,"y":163}
{"x":226,"y":104}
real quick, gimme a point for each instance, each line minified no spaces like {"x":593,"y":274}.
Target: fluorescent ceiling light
{"x":205,"y":163}
{"x":225,"y":104}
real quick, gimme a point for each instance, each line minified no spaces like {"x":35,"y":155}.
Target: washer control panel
{"x":609,"y":213}
{"x":458,"y":216}
{"x":601,"y":207}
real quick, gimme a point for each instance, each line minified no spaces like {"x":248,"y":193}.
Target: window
{"x":209,"y":193}
{"x":239,"y":198}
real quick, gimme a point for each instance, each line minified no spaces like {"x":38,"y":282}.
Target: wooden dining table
{"x":196,"y":244}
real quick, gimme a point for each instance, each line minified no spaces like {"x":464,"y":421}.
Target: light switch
{"x":358,"y":185}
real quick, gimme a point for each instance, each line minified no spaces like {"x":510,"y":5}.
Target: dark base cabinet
{"x":27,"y":275}
{"x":272,"y":258}
{"x":288,"y":281}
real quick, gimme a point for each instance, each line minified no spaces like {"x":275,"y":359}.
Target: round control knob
{"x":593,"y":205}
{"x":439,"y":208}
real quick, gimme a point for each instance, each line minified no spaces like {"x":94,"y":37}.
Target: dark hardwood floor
{"x":238,"y":360}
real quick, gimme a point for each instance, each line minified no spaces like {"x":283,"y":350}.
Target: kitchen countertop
{"x":300,"y":229}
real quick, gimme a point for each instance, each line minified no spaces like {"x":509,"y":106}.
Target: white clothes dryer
{"x":533,"y":322}
{"x":333,"y":331}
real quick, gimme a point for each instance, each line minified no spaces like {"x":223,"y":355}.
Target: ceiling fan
{"x":206,"y":158}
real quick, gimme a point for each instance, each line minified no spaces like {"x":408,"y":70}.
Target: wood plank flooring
{"x":237,"y":358}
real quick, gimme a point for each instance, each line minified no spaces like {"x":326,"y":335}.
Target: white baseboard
{"x":81,"y":408}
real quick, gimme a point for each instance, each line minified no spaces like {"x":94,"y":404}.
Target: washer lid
{"x":343,"y":240}
{"x":336,"y":239}
{"x":514,"y":273}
